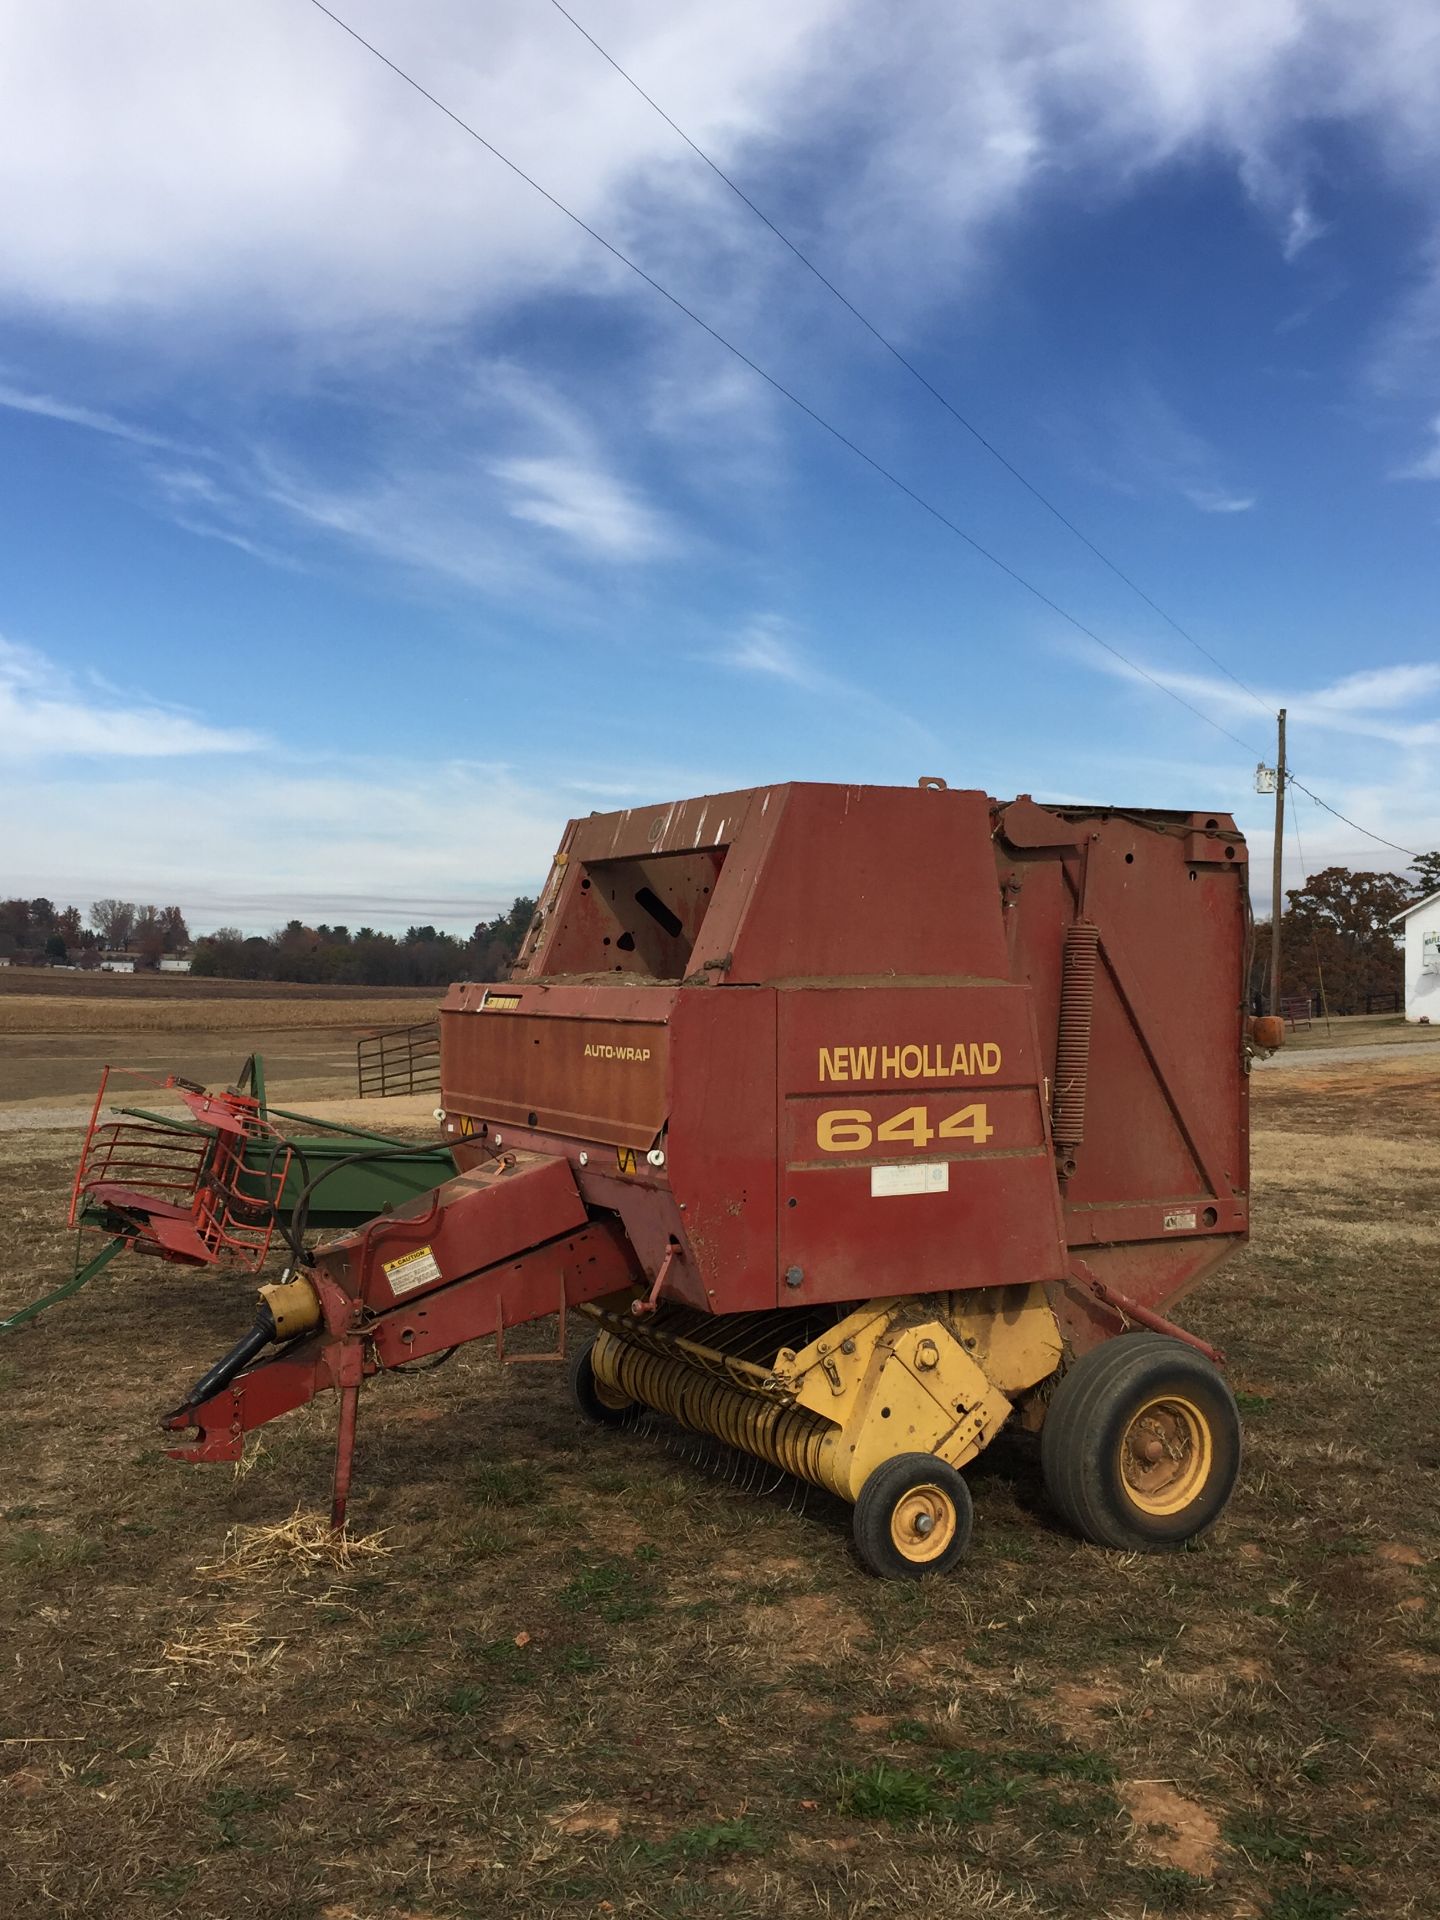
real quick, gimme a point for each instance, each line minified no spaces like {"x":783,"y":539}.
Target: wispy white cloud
{"x":1426,"y":466}
{"x":772,"y":648}
{"x":1364,"y":704}
{"x":45,"y":715}
{"x":767,"y":645}
{"x":1377,"y":689}
{"x":1302,"y":230}
{"x":594,"y":510}
{"x":1374,"y":733}
{"x":46,"y":407}
{"x":1215,"y":500}
{"x":1137,"y":442}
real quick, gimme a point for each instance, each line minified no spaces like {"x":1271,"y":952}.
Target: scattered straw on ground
{"x":303,"y":1544}
{"x":241,"y":1643}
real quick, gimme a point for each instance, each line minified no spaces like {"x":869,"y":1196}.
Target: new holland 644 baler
{"x":862,"y":1120}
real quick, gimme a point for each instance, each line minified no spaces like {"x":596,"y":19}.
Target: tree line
{"x":38,"y":932}
{"x":421,"y":957}
{"x":1337,"y":944}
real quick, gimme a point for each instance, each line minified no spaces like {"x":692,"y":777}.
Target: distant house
{"x":174,"y":963}
{"x":4,"y":959}
{"x":1420,"y":930}
{"x":118,"y":963}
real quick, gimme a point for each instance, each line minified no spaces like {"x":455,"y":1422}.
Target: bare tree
{"x":177,"y":934}
{"x":112,"y":920}
{"x":148,"y":934}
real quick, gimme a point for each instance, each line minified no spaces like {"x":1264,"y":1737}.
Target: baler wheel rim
{"x":907,"y":1488}
{"x":1167,"y":1432}
{"x":923,"y":1523}
{"x":1094,"y":1429}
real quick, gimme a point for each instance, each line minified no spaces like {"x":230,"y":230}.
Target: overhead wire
{"x":910,"y":367}
{"x":877,"y":466}
{"x":778,"y":386}
{"x":1379,"y":839}
{"x":955,"y":413}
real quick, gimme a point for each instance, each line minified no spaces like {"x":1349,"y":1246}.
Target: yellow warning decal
{"x":625,"y":1159}
{"x":411,"y":1270}
{"x":499,"y":1002}
{"x":467,"y":1126}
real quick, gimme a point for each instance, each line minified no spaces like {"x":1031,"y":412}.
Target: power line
{"x":779,"y":387}
{"x":826,"y":426}
{"x":910,"y":367}
{"x":1378,"y":838}
{"x":950,"y":408}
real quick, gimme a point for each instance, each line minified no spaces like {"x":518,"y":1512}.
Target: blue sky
{"x":361,"y":520}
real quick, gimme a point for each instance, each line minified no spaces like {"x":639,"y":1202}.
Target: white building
{"x":1420,"y":930}
{"x":174,"y":963}
{"x":115,"y":964}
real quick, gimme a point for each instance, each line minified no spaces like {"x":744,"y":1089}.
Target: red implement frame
{"x":496,"y":1248}
{"x":186,"y":1197}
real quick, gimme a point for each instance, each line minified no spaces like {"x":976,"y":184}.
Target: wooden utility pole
{"x":1279,"y":850}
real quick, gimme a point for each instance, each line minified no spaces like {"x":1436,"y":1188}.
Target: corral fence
{"x":396,"y":1060}
{"x":1298,"y":1010}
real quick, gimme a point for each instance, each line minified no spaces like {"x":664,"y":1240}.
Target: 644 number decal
{"x":856,"y":1130}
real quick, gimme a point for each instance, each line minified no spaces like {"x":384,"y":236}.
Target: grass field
{"x":58,"y":1030}
{"x":568,"y":1672}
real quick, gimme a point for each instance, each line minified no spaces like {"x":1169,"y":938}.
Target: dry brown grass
{"x":584,"y":1678}
{"x":192,"y":1012}
{"x":57,"y":1031}
{"x":1357,"y":1030}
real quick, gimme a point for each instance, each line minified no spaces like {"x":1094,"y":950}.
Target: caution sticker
{"x":1182,"y":1221}
{"x":411,"y":1270}
{"x":625,"y":1159}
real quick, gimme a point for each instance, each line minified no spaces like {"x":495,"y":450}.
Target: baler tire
{"x":585,"y":1390}
{"x":936,"y":1493}
{"x":1088,"y":1449}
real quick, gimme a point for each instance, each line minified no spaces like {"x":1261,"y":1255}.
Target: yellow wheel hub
{"x":923,"y":1523}
{"x":1166,"y":1455}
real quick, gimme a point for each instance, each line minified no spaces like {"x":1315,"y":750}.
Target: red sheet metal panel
{"x":873,"y":883}
{"x":1163,"y":1170}
{"x":721,"y":1143}
{"x":586,"y":1064}
{"x":471,"y":1222}
{"x":915,"y":1151}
